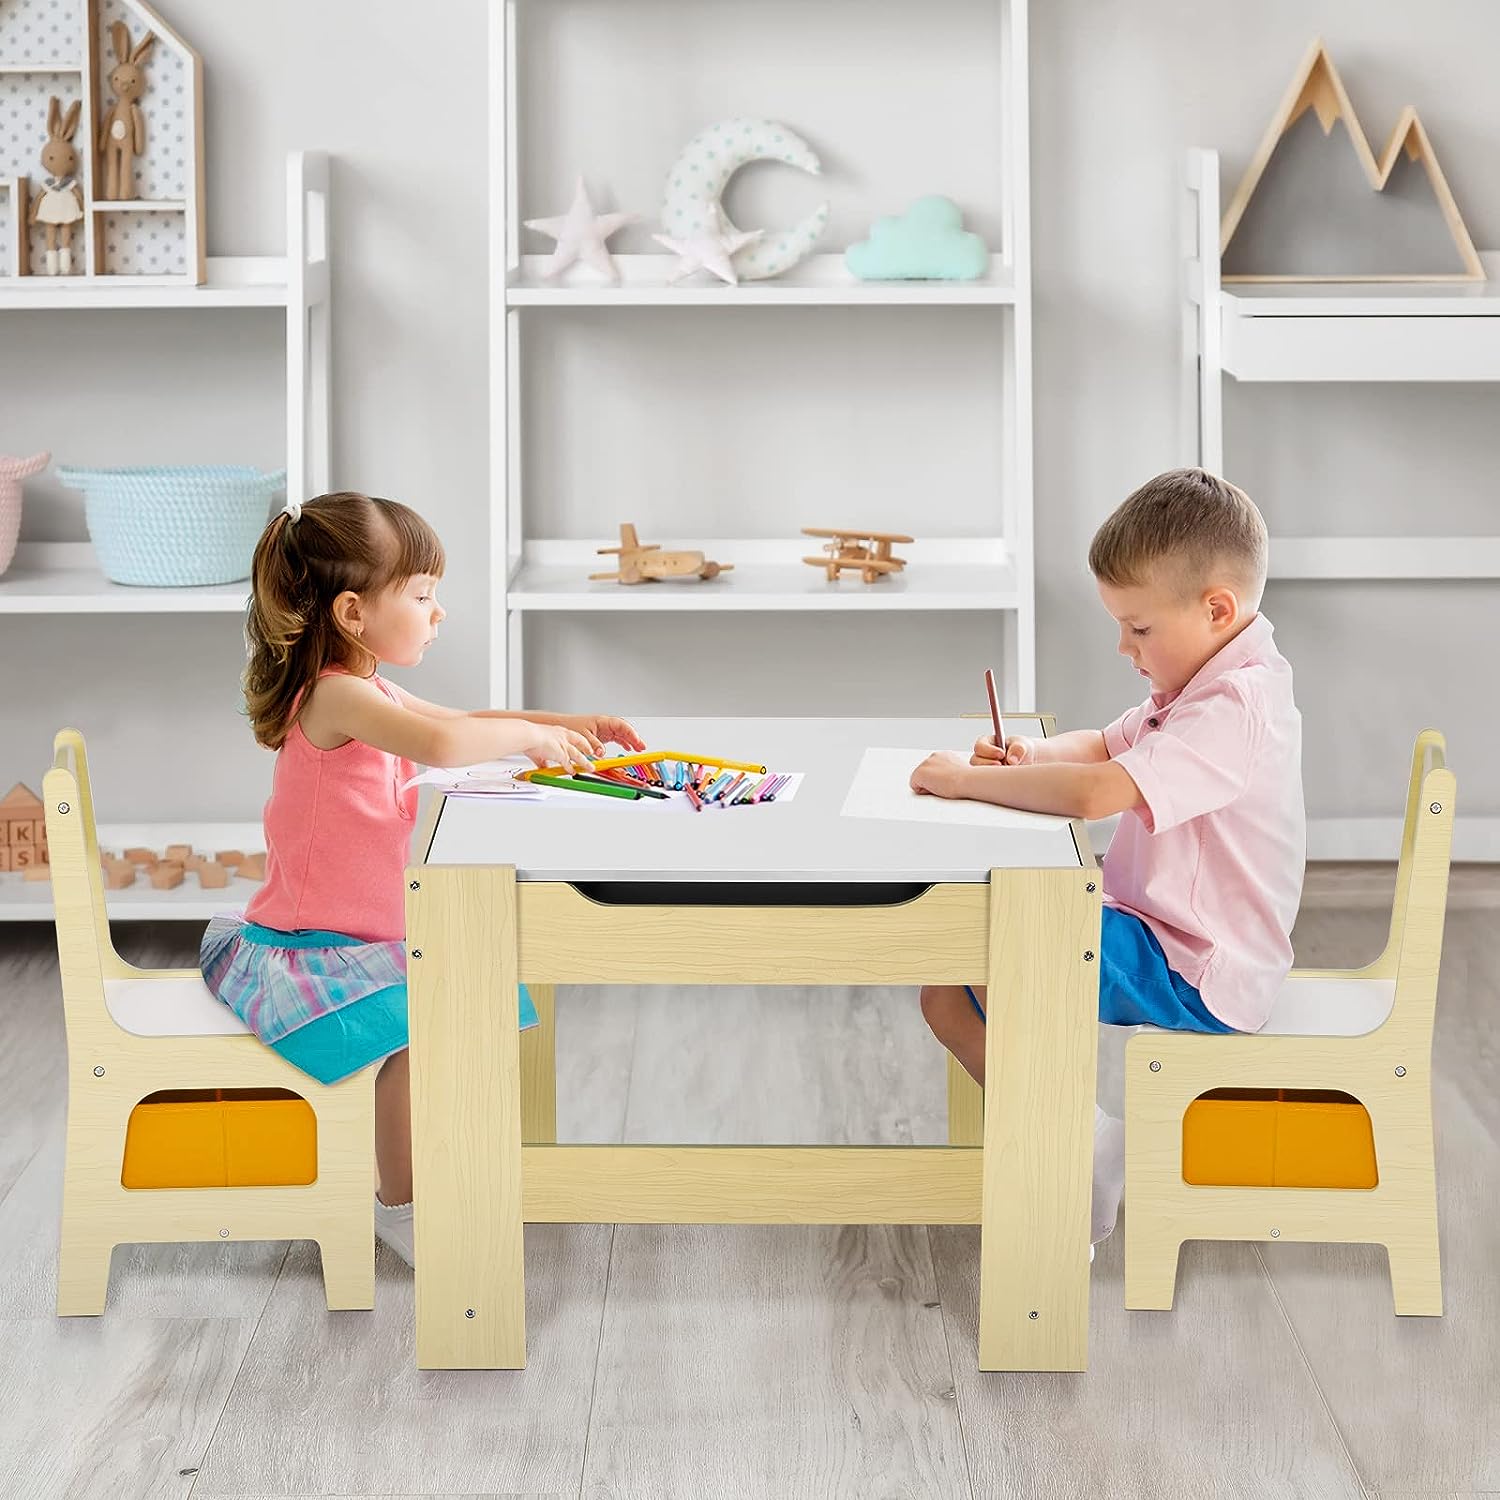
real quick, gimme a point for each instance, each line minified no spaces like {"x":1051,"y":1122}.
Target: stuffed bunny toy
{"x":59,"y":205}
{"x":122,"y":132}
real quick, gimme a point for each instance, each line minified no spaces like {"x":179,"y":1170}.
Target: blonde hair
{"x":337,"y":543}
{"x":1179,"y":529}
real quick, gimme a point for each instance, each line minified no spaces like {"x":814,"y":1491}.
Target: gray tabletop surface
{"x":806,"y":839}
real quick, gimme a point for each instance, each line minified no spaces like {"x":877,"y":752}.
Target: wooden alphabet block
{"x":212,"y":876}
{"x":118,"y":875}
{"x":179,"y":854}
{"x":166,"y":876}
{"x":229,"y":858}
{"x":252,"y":867}
{"x":39,"y":871}
{"x":145,"y":857}
{"x":5,"y":858}
{"x":4,"y":831}
{"x":23,"y":833}
{"x":21,"y":856}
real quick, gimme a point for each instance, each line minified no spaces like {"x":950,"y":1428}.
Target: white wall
{"x":612,"y":87}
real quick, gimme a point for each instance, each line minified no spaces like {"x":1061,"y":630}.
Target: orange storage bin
{"x":221,"y":1138}
{"x":1277,"y":1138}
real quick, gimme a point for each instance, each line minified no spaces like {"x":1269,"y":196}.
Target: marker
{"x":639,"y":791}
{"x":598,"y":788}
{"x":989,"y":687}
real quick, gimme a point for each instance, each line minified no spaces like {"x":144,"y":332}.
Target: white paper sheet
{"x":497,"y":778}
{"x":882,"y":789}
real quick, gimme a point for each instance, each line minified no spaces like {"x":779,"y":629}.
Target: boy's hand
{"x":940,"y":775}
{"x":599,"y":728}
{"x":1019,"y":751}
{"x":557,"y":745}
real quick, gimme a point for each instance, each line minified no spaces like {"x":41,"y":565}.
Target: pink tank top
{"x":338,"y":834}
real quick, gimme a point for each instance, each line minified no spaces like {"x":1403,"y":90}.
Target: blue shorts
{"x":1136,"y":988}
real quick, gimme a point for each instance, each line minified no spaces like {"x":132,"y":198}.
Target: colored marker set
{"x":704,"y":781}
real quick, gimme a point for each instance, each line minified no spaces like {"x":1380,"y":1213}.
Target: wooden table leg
{"x":466,"y":1117}
{"x":1041,"y":1052}
{"x":539,"y":1070}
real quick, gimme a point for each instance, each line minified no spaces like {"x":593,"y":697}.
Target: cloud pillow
{"x":927,"y":243}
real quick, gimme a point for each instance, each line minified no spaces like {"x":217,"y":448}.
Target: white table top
{"x":806,"y":839}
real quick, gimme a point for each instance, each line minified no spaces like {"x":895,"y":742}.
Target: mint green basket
{"x":175,"y":527}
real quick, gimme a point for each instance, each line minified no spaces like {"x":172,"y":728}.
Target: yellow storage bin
{"x":221,"y":1138}
{"x":1277,"y":1138}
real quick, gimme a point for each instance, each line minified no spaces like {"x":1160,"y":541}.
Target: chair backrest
{"x":1414,"y":946}
{"x":85,"y":952}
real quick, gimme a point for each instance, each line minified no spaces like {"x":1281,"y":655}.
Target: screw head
{"x":1436,"y":807}
{"x":1400,"y":1072}
{"x":468,"y":1312}
{"x":416,"y":885}
{"x":63,"y":807}
{"x":1275,"y":1234}
{"x":416,"y":953}
{"x":98,"y":1072}
{"x":1032,"y":1316}
{"x":1155,"y":1066}
{"x":1088,"y":955}
{"x":1091,"y":887}
{"x":223,"y":1234}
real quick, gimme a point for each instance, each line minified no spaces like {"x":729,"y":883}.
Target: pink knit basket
{"x":12,"y":472}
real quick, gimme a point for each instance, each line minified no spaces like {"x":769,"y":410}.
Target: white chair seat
{"x":1330,"y":1006}
{"x":1336,"y":1006}
{"x":170,"y":1007}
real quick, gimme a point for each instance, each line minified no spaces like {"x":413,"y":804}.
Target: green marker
{"x":572,"y":784}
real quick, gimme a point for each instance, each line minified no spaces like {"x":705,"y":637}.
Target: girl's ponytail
{"x":306,"y":557}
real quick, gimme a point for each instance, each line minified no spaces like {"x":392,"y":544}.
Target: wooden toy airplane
{"x":648,"y":563}
{"x":867,"y":551}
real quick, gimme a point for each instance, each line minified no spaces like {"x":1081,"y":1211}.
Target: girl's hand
{"x":940,"y":775}
{"x":601,"y":728}
{"x":557,"y":745}
{"x":1019,"y":751}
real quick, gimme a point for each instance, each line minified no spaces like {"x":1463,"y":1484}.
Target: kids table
{"x":795,"y":893}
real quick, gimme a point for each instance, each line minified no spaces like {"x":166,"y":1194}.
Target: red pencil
{"x":694,"y":798}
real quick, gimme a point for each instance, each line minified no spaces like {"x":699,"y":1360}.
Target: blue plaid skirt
{"x":329,"y":1003}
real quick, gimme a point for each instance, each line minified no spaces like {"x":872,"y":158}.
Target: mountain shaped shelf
{"x":1408,"y":236}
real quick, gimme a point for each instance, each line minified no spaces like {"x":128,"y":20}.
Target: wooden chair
{"x":1366,"y":1032}
{"x":132,"y":1032}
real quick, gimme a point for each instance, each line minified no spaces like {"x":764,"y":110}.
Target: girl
{"x":317,"y":966}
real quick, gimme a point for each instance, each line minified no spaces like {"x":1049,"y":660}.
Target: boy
{"x":1204,"y":874}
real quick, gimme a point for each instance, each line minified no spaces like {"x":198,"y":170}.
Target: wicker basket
{"x":175,"y":527}
{"x":12,"y":472}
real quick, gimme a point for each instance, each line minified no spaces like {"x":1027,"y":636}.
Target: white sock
{"x":65,"y":261}
{"x":393,"y":1224}
{"x":1109,"y":1174}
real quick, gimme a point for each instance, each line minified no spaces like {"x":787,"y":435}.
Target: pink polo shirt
{"x":1213,"y":859}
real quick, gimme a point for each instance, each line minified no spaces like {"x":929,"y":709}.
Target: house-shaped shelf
{"x":1408,"y":236}
{"x":66,"y":49}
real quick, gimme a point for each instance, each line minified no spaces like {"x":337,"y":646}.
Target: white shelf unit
{"x":49,"y":578}
{"x":993,"y":574}
{"x":31,"y":901}
{"x":1347,"y":332}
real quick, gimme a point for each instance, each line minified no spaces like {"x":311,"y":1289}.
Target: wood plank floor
{"x":753,"y":1362}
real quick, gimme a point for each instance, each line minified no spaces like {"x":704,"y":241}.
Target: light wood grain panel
{"x":1041,"y":1048}
{"x":466,"y":1117}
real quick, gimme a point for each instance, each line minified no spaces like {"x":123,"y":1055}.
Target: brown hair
{"x":339,"y":542}
{"x":1177,"y":529}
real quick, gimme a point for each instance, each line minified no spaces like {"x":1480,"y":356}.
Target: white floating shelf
{"x":949,"y":575}
{"x":63,"y":578}
{"x":819,"y":281}
{"x":1363,"y":331}
{"x":233,"y":281}
{"x":139,"y":206}
{"x":31,"y":901}
{"x":1384,"y":557}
